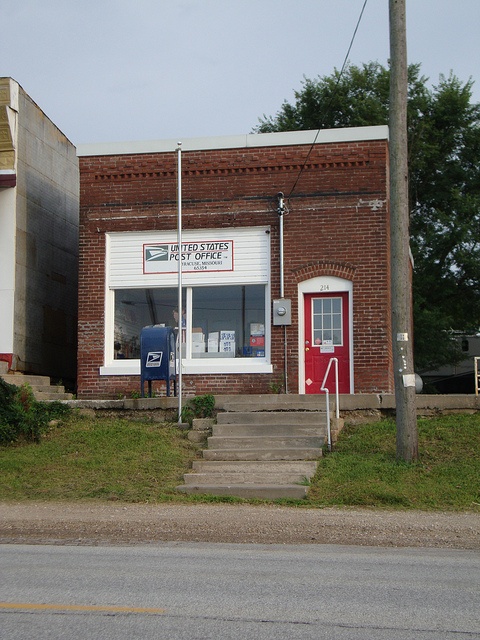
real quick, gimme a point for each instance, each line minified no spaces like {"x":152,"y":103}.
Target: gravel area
{"x":129,"y":524}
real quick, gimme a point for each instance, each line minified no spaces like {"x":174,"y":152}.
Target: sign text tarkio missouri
{"x":211,"y":255}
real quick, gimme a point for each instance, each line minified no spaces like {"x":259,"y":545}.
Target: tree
{"x":445,"y":220}
{"x":444,"y":183}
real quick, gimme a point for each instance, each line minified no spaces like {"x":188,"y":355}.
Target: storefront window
{"x":226,"y":321}
{"x":138,"y":308}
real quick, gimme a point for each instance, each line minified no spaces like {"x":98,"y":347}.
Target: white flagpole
{"x":180,"y":302}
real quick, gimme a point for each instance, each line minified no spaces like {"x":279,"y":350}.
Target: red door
{"x":326,"y":336}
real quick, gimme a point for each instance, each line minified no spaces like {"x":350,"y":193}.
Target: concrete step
{"x":262,"y":442}
{"x":302,"y":467}
{"x":252,"y":430}
{"x":264,"y":450}
{"x":263,"y":454}
{"x":42,"y":390}
{"x":294,"y":418}
{"x":272,"y":402}
{"x":19,"y":379}
{"x":49,"y":388}
{"x":260,"y":491}
{"x":245,"y":478}
{"x":47,"y":396}
{"x":259,"y":472}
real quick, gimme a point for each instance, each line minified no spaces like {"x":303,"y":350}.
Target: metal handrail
{"x":323,"y":388}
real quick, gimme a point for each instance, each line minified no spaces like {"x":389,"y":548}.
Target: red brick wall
{"x":337,"y":225}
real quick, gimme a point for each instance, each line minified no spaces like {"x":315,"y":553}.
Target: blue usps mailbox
{"x":157,"y":357}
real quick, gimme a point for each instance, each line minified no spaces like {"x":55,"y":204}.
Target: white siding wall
{"x":251,"y":253}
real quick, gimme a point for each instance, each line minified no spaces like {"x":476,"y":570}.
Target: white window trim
{"x":199,"y":366}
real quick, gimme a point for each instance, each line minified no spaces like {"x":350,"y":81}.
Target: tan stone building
{"x":38,"y":239}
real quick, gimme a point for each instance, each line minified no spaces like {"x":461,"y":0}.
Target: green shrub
{"x":198,"y":407}
{"x":203,"y":406}
{"x":22,"y":416}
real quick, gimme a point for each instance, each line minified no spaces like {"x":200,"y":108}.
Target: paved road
{"x":175,"y":591}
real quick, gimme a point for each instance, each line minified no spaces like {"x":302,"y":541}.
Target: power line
{"x":331,"y":97}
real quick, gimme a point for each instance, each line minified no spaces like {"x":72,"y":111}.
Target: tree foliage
{"x":444,"y":183}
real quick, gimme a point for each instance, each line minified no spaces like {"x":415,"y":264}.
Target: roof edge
{"x":251,"y":140}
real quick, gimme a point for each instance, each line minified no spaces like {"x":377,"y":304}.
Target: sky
{"x":124,"y":70}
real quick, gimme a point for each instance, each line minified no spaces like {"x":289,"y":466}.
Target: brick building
{"x":326,"y":255}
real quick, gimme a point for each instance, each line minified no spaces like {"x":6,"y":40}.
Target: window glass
{"x":138,"y":308}
{"x":228,"y":322}
{"x":327,"y":321}
{"x":337,"y":305}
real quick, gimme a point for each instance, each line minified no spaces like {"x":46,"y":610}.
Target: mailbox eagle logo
{"x":154,"y":358}
{"x":156,"y":253}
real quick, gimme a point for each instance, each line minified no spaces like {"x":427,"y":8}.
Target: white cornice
{"x":251,"y":140}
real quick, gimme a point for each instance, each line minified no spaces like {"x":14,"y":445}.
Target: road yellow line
{"x":78,"y":607}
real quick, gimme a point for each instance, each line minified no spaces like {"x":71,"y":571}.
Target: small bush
{"x":203,"y":406}
{"x":199,"y":407}
{"x":21,"y":416}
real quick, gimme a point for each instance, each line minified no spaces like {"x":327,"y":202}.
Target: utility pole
{"x":404,"y":375}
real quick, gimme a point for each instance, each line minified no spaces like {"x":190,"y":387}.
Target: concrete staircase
{"x":259,"y":454}
{"x":41,"y":385}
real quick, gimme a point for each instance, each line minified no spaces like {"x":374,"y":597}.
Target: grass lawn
{"x":97,"y":458}
{"x":142,"y":461}
{"x":363,"y":471}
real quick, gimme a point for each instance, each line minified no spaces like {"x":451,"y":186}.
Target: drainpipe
{"x":281,"y":213}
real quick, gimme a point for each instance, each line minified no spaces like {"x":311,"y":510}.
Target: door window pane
{"x":327,"y":321}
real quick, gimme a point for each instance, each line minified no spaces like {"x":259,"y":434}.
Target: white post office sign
{"x":208,"y":255}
